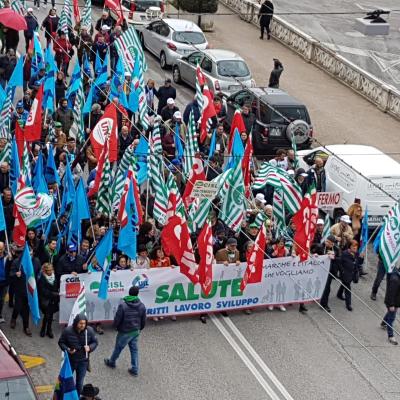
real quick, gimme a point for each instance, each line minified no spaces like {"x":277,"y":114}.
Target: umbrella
{"x":12,"y":19}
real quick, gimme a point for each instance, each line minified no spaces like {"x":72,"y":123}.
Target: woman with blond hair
{"x":355,"y":212}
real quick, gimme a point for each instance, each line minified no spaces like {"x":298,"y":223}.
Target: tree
{"x":199,"y":6}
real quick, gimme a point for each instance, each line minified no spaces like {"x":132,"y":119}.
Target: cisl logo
{"x":72,"y":287}
{"x":114,"y":286}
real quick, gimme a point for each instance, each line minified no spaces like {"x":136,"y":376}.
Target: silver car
{"x":224,"y":70}
{"x":170,"y":39}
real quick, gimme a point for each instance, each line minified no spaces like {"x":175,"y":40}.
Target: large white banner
{"x":167,"y":292}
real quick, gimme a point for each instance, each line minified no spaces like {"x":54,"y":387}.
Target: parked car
{"x":224,"y":70}
{"x":141,"y":12}
{"x":356,"y":171}
{"x":170,"y":39}
{"x":15,"y":382}
{"x":279,"y":119}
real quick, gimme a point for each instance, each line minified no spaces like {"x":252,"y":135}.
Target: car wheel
{"x":299,"y":130}
{"x":176,"y":74}
{"x":163,"y":60}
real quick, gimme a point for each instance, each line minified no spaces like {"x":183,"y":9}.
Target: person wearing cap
{"x":20,"y":114}
{"x":230,"y":254}
{"x":105,"y":19}
{"x":343,"y":232}
{"x":113,"y":50}
{"x":71,"y":262}
{"x":60,"y":138}
{"x":165,"y":92}
{"x":250,"y":233}
{"x":36,"y":80}
{"x":105,"y":32}
{"x":192,"y":107}
{"x":90,"y":392}
{"x":259,"y":203}
{"x":99,"y":47}
{"x":330,"y":248}
{"x":32,"y":26}
{"x":168,"y":111}
{"x":301,"y":178}
{"x":319,"y":231}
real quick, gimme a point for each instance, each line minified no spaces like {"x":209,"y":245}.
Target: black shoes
{"x":303,"y":309}
{"x":373,"y":296}
{"x":203,"y":319}
{"x":349,"y":308}
{"x":340,"y":297}
{"x":132,"y":372}
{"x":108,"y":363}
{"x":326,"y":308}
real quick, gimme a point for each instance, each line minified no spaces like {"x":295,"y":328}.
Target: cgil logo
{"x":141,"y":281}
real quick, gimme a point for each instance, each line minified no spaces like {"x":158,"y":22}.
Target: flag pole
{"x":7,"y":243}
{"x":147,"y":199}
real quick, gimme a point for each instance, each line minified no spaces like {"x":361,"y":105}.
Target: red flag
{"x":200,"y":76}
{"x":196,"y":174}
{"x":99,"y":171}
{"x":33,"y":125}
{"x":77,"y":14}
{"x":253,"y":273}
{"x":19,"y":139}
{"x":115,"y":5}
{"x":175,"y":239}
{"x":107,"y":126}
{"x":237,"y":122}
{"x":19,"y":231}
{"x":306,"y":221}
{"x":205,"y":244}
{"x":208,"y":112}
{"x":246,"y":163}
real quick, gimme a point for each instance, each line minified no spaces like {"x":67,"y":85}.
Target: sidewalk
{"x":339,"y":115}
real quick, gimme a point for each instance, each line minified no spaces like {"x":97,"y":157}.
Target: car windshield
{"x":233,"y":68}
{"x":291,"y":113}
{"x":189,"y":37}
{"x":143,"y":5}
{"x":16,"y":389}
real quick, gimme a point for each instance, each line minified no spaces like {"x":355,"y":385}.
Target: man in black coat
{"x":32,"y":25}
{"x":275,"y":74}
{"x":79,"y":340}
{"x":392,"y":302}
{"x":265,"y":17}
{"x":70,"y":263}
{"x":164,"y":93}
{"x":129,"y":320}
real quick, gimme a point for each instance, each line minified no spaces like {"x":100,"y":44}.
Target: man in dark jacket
{"x":164,"y":93}
{"x":70,"y":263}
{"x":191,"y":107}
{"x":392,"y":302}
{"x":64,"y":115}
{"x":169,"y":110}
{"x":129,"y":320}
{"x":275,"y":74}
{"x":79,"y":340}
{"x":4,"y":276}
{"x":32,"y":25}
{"x":265,"y":17}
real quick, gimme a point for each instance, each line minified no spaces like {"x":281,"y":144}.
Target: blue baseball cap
{"x":72,"y":247}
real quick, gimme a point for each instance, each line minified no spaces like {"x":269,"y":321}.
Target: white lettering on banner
{"x":204,"y":190}
{"x":166,"y":292}
{"x":102,"y":129}
{"x":31,"y":117}
{"x":329,"y":200}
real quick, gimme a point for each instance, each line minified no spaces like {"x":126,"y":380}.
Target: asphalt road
{"x":267,"y":355}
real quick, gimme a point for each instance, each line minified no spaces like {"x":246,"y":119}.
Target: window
{"x":290,"y":113}
{"x":155,"y":27}
{"x":310,"y":158}
{"x":188,"y":37}
{"x":233,"y":68}
{"x":143,"y":5}
{"x":164,"y":30}
{"x":206,"y":64}
{"x":195,"y":58}
{"x":243,"y":97}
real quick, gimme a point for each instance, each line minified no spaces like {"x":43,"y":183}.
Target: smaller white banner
{"x":329,"y":200}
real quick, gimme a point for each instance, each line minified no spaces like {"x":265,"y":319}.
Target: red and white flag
{"x":196,"y":174}
{"x":205,"y":245}
{"x":237,"y":123}
{"x":99,"y":171}
{"x":33,"y":125}
{"x":306,"y":221}
{"x":246,"y":166}
{"x":201,"y":79}
{"x":208,"y":113}
{"x":175,"y":239}
{"x":253,"y":273}
{"x":107,"y":127}
{"x":115,"y":5}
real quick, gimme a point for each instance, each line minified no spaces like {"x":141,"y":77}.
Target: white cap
{"x":105,"y":28}
{"x":320,"y":221}
{"x":290,"y":172}
{"x":261,"y":198}
{"x":30,"y":9}
{"x":345,"y":218}
{"x":177,"y":115}
{"x":304,"y":174}
{"x":170,"y":100}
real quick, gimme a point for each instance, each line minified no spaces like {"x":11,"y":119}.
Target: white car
{"x":170,"y":39}
{"x":358,"y":172}
{"x":142,"y":12}
{"x":225,"y":71}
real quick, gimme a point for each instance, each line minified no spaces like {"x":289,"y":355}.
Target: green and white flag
{"x":79,"y":306}
{"x":173,"y":188}
{"x":327,"y":228}
{"x":5,"y":154}
{"x":233,"y":202}
{"x":87,"y":14}
{"x":77,"y":129}
{"x":389,"y":247}
{"x":278,"y":211}
{"x":103,"y":202}
{"x":25,"y":167}
{"x":65,"y":21}
{"x":191,"y":146}
{"x":18,"y":6}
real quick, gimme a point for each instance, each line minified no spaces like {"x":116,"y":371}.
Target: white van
{"x":354,"y":170}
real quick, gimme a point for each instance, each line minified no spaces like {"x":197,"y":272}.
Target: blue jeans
{"x":389,"y":318}
{"x":80,"y":369}
{"x":121,"y":341}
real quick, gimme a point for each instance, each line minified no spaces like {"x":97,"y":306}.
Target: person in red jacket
{"x":62,"y":48}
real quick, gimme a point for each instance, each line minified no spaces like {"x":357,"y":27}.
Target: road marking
{"x":258,"y":359}
{"x":31,"y":361}
{"x":44,"y":389}
{"x":245,"y":359}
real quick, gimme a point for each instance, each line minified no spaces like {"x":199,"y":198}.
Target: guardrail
{"x":385,"y":97}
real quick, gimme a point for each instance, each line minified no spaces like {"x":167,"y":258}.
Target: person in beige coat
{"x":343,"y":232}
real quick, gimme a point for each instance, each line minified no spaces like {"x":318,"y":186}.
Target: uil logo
{"x":141,"y":281}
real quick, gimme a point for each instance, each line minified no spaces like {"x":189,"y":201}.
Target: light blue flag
{"x":17,"y":77}
{"x":117,"y":78}
{"x":69,"y":189}
{"x":237,"y":151}
{"x":141,"y":153}
{"x":38,"y":58}
{"x":103,"y":256}
{"x":51,"y":172}
{"x":39,"y":181}
{"x":3,"y":95}
{"x":89,"y":101}
{"x":377,"y":240}
{"x":51,"y":65}
{"x":49,"y":223}
{"x":213,"y":144}
{"x":15,"y":170}
{"x":49,"y":93}
{"x":31,"y":288}
{"x":178,"y":142}
{"x":127,"y":234}
{"x":364,"y":232}
{"x":100,"y":66}
{"x":2,"y":219}
{"x":75,"y":80}
{"x":86,"y":66}
{"x":65,"y":388}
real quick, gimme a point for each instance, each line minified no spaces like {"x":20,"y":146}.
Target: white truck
{"x":358,"y":172}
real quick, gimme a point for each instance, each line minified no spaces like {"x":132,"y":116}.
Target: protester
{"x":79,"y":340}
{"x":164,"y":93}
{"x":343,"y":232}
{"x":265,"y":16}
{"x":392,"y":302}
{"x":275,"y":75}
{"x":4,"y":278}
{"x":129,"y":321}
